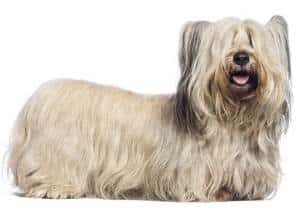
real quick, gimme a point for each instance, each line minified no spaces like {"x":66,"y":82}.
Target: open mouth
{"x":244,"y":78}
{"x":240,"y":79}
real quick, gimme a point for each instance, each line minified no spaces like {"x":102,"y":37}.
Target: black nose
{"x":241,"y":58}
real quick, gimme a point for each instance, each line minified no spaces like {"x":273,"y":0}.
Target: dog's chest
{"x":230,"y":159}
{"x":226,"y":144}
{"x":229,"y":152}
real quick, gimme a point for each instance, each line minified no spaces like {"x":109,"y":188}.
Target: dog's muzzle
{"x":242,"y":76}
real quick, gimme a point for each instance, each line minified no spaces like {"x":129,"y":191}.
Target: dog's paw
{"x":54,"y":192}
{"x":223,"y":195}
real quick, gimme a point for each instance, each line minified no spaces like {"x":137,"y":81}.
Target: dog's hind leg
{"x":45,"y":167}
{"x":43,"y":181}
{"x":38,"y":186}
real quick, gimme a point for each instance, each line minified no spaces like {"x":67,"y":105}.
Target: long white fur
{"x":76,"y":138}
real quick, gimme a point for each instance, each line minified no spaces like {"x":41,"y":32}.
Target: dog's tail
{"x":19,"y":141}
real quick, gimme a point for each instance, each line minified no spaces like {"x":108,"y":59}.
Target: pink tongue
{"x":240,"y":79}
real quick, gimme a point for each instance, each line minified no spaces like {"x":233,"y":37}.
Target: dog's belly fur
{"x":75,"y":138}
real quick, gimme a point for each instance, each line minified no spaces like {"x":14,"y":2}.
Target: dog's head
{"x":235,"y":70}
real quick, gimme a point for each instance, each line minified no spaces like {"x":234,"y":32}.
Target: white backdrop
{"x":134,"y":45}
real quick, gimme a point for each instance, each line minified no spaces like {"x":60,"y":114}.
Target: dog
{"x":215,"y":139}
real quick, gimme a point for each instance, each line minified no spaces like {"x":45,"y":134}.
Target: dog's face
{"x":231,"y":66}
{"x":252,"y":57}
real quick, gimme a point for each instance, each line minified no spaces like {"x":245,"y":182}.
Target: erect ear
{"x":279,"y":32}
{"x":190,"y":41}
